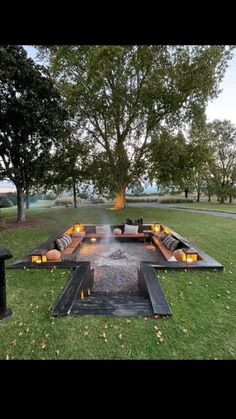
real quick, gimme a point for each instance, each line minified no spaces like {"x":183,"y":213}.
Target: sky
{"x":224,"y":107}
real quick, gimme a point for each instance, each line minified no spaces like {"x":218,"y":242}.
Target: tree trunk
{"x":27,"y":202}
{"x":20,"y":206}
{"x":74,"y":195}
{"x":198,"y":194}
{"x":120,"y":199}
{"x":222,"y":200}
{"x":230,"y":198}
{"x":186,"y":193}
{"x":209,"y":197}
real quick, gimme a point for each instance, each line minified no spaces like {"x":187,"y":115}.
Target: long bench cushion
{"x":168,"y":254}
{"x":90,"y":235}
{"x":73,"y":246}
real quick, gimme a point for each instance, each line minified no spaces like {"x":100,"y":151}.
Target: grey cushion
{"x":170,"y":243}
{"x":162,"y":236}
{"x":63,"y":242}
{"x":103,"y":229}
{"x":130,"y":229}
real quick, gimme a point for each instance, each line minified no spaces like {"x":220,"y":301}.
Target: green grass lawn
{"x":203,"y":325}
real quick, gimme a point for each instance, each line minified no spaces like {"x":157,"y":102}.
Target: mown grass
{"x":203,"y":325}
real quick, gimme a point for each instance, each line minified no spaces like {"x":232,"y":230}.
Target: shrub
{"x":99,"y":200}
{"x":141,"y":199}
{"x":63,"y":201}
{"x":176,"y":201}
{"x":48,"y":196}
{"x":12,"y":196}
{"x":5,"y":202}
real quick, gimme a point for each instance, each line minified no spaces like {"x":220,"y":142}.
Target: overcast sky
{"x":224,"y":107}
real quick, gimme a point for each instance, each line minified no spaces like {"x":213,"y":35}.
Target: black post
{"x":4,"y":312}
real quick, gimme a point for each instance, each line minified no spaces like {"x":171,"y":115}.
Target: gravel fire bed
{"x":116,"y":264}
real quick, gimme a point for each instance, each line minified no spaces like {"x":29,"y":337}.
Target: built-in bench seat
{"x":70,"y":251}
{"x":168,"y":254}
{"x":117,"y":236}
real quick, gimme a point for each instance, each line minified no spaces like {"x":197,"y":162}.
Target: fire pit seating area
{"x":173,"y":247}
{"x":124,"y":231}
{"x":172,"y":250}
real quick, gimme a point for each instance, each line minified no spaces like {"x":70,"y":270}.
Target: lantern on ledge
{"x":77,"y":228}
{"x":39,"y":256}
{"x":189,"y":255}
{"x":156,"y":227}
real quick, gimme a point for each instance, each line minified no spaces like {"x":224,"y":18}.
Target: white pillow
{"x":129,"y":229}
{"x":103,"y":229}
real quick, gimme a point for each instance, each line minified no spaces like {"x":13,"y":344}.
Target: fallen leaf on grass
{"x":86,"y":333}
{"x":43,"y":345}
{"x":13,"y":343}
{"x":103,"y":335}
{"x":185,"y":331}
{"x":227,"y":307}
{"x":7,"y":357}
{"x":128,"y":321}
{"x":120,"y":336}
{"x":20,"y":333}
{"x":57,"y":351}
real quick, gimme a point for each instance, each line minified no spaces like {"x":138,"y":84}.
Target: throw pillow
{"x":103,"y":229}
{"x":53,"y":255}
{"x":117,"y":231}
{"x":130,"y":229}
{"x":162,"y":236}
{"x":63,"y":242}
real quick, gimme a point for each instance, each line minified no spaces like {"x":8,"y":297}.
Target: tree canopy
{"x":121,"y":94}
{"x":31,"y":117}
{"x":223,"y":164}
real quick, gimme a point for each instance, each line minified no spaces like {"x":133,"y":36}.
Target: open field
{"x":203,"y":303}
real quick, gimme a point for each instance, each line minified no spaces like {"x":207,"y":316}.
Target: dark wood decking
{"x":83,"y":275}
{"x":149,"y":284}
{"x":112,"y":305}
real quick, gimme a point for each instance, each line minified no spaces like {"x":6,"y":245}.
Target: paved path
{"x":172,"y":207}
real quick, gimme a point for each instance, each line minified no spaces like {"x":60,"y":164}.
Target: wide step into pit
{"x":100,"y":304}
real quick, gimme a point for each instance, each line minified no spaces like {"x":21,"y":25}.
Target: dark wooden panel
{"x":112,"y":305}
{"x":157,"y":297}
{"x":70,"y":291}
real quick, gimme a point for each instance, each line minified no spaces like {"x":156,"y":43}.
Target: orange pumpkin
{"x":53,"y":254}
{"x":117,"y":231}
{"x":178,"y":253}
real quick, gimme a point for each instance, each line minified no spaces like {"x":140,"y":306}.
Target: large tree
{"x":223,"y":164}
{"x":31,"y":116}
{"x":121,"y":94}
{"x":69,"y":165}
{"x":179,"y":160}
